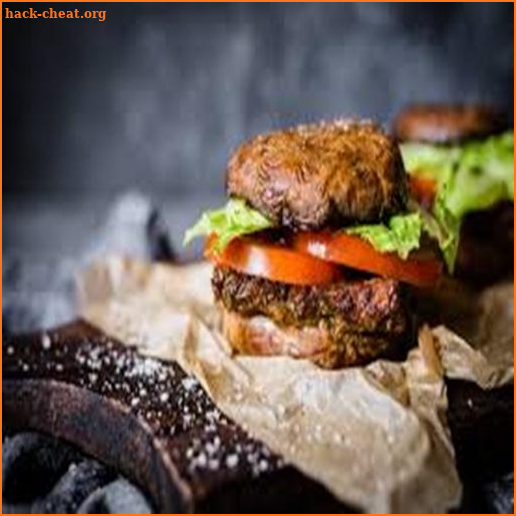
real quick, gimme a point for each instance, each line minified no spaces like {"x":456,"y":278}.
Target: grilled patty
{"x":442,"y":123}
{"x":320,"y":175}
{"x":366,"y":306}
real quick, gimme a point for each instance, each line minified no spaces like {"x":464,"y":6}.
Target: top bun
{"x":318,"y":175}
{"x":442,"y":123}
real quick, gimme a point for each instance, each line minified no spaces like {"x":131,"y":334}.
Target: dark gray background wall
{"x":157,"y":95}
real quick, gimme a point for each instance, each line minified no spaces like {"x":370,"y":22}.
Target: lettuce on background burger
{"x":479,"y":174}
{"x":462,"y":158}
{"x":318,"y":247}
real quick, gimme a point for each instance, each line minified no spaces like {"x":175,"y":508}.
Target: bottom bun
{"x":259,"y":335}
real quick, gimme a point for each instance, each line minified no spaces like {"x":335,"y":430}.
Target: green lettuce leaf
{"x":430,"y":161}
{"x":470,"y":177}
{"x":401,"y":235}
{"x":444,"y":227}
{"x":477,"y":174}
{"x":483,"y":176}
{"x":233,"y":220}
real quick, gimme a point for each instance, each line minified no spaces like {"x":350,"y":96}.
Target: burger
{"x":462,"y":157}
{"x":319,"y":247}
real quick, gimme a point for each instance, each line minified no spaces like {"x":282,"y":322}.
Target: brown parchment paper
{"x":376,"y":436}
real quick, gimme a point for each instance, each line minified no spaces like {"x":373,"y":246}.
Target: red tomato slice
{"x":423,"y":190}
{"x":356,"y":253}
{"x":273,"y":262}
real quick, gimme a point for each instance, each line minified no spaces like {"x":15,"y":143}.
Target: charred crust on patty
{"x":447,"y":123}
{"x":320,"y":175}
{"x":375,"y":305}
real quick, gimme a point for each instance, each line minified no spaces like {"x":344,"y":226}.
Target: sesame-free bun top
{"x":318,"y":175}
{"x":447,"y":123}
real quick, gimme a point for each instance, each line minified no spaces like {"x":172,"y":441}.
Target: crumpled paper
{"x":376,"y":436}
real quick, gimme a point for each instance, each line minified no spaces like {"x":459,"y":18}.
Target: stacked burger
{"x":319,"y":247}
{"x":462,"y":156}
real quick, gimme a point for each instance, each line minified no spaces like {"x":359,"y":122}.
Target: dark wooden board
{"x":156,"y":425}
{"x":149,"y":421}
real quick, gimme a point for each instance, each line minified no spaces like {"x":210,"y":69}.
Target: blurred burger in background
{"x":461,"y":159}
